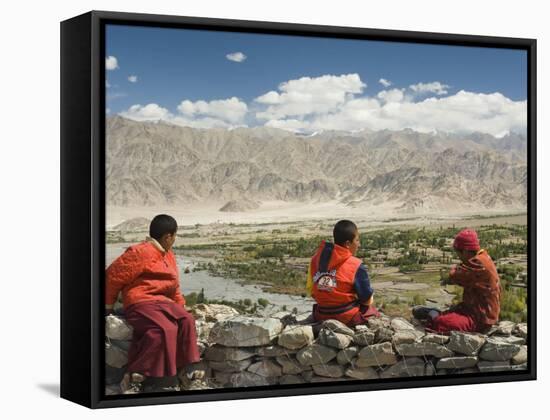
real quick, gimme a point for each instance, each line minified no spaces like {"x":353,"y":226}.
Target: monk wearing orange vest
{"x":477,"y":274}
{"x":338,"y":281}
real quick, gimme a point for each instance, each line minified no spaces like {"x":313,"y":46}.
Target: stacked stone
{"x":246,"y":351}
{"x":242,"y":351}
{"x":118,"y":335}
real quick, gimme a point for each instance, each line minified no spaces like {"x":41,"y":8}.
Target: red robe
{"x":482,"y":291}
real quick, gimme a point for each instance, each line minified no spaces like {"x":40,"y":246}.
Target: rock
{"x":113,"y":375}
{"x":288,"y":319}
{"x":266,"y":367}
{"x":346,"y":356}
{"x":376,"y":355}
{"x":242,"y":331}
{"x":429,"y":369}
{"x":486,"y":366}
{"x":315,"y":354}
{"x":380,"y":322}
{"x":406,"y":336}
{"x":505,"y":328}
{"x":316,"y":378}
{"x":523,"y":366}
{"x":465,"y":343}
{"x":411,"y":366}
{"x":362,"y":373}
{"x":296,"y":336}
{"x":304,"y":318}
{"x":383,"y":335}
{"x":202,"y":347}
{"x":468,"y":371}
{"x":121,"y":344}
{"x":436,"y":338}
{"x":273,"y":351}
{"x":334,"y":339}
{"x":115,"y":357}
{"x":220,"y":353}
{"x":112,"y":390}
{"x":307,"y":375}
{"x":230,"y":365}
{"x":290,"y":365}
{"x":282,"y":314}
{"x":203,"y":329}
{"x":212,"y":312}
{"x":330,"y":370}
{"x":363,"y":335}
{"x":222,"y":378}
{"x":201,"y":365}
{"x":398,"y":324}
{"x":457,"y":362}
{"x":116,"y":328}
{"x":423,"y":349}
{"x":337,"y":327}
{"x":246,"y":378}
{"x":497,"y":350}
{"x":520,"y":330}
{"x":195,"y":385}
{"x":512,"y":339}
{"x":291,"y":380}
{"x":520,"y":357}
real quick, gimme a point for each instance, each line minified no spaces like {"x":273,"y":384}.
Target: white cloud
{"x":338,"y":103}
{"x":384,"y":82}
{"x":309,"y":95}
{"x":111,"y":63}
{"x":220,"y":113}
{"x":149,"y":112}
{"x":432,"y":87}
{"x":392,"y":95}
{"x":236,"y":56}
{"x":463,"y":112}
{"x":231,"y":110}
{"x":132,"y":78}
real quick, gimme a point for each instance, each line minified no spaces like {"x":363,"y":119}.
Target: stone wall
{"x":240,"y":351}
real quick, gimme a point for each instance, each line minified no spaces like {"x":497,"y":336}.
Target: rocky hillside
{"x":240,"y":351}
{"x":154,"y":163}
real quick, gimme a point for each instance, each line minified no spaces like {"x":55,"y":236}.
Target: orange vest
{"x":333,"y":269}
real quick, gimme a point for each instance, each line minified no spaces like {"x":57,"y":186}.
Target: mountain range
{"x":152,"y":163}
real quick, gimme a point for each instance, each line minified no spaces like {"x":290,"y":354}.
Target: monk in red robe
{"x":477,"y":274}
{"x":164,"y":335}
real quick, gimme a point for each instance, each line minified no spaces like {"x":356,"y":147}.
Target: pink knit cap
{"x":466,"y":240}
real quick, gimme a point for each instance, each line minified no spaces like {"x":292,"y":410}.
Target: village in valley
{"x":407,"y":258}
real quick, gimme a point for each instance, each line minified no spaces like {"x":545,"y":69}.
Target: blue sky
{"x":175,"y":65}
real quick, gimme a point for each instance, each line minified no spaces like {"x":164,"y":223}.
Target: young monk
{"x":477,"y":274}
{"x":164,"y":338}
{"x":338,"y":281}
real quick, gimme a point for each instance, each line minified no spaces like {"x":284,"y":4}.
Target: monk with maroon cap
{"x":477,"y":274}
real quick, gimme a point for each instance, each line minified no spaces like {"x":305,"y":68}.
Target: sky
{"x":210,"y":79}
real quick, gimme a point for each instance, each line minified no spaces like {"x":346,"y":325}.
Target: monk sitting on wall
{"x":164,"y":338}
{"x":338,"y":281}
{"x":480,"y":305}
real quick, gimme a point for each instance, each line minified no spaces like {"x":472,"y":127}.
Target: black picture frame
{"x":83,"y":205}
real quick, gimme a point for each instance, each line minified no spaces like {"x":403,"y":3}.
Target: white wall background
{"x":29,"y":174}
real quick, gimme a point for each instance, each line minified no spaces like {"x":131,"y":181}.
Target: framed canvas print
{"x":256,"y":209}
